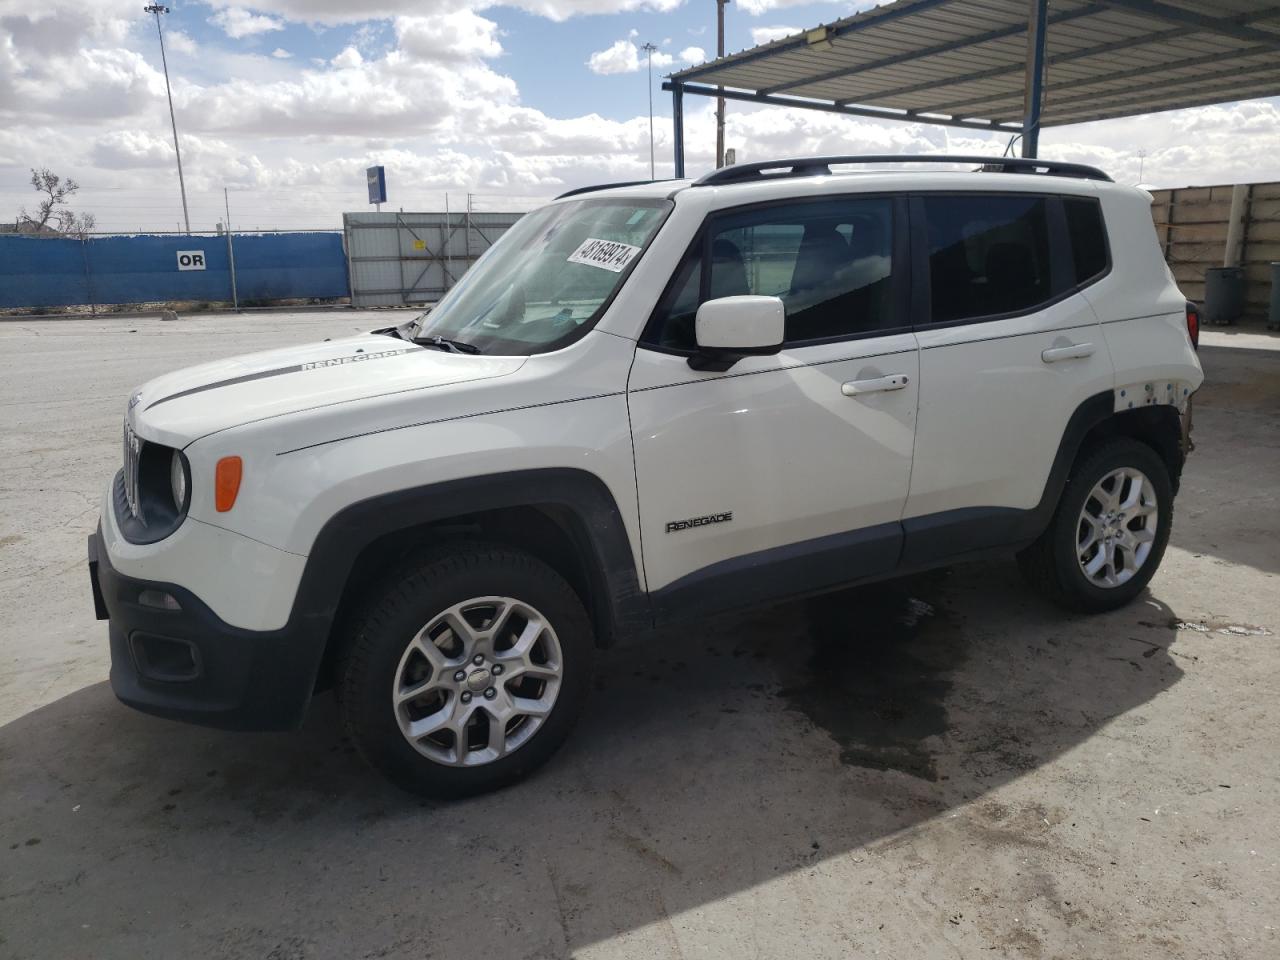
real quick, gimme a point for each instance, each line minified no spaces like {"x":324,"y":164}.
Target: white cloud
{"x":131,"y":150}
{"x":181,"y":42}
{"x":626,"y":56}
{"x":761,"y":35}
{"x":757,"y":7}
{"x":622,"y":57}
{"x":80,"y":90}
{"x":280,"y":53}
{"x":348,"y":59}
{"x":330,"y":12}
{"x":237,"y":22}
{"x":459,"y":35}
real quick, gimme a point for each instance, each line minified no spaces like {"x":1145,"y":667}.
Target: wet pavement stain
{"x":879,"y":673}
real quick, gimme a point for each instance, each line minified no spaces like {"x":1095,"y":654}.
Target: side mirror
{"x":731,"y":328}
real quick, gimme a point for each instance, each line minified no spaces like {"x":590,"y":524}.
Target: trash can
{"x":1223,"y":294}
{"x":1273,"y":318}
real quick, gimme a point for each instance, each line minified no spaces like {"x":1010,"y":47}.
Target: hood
{"x":180,"y":407}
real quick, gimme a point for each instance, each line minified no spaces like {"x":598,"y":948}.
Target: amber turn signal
{"x":226,"y":483}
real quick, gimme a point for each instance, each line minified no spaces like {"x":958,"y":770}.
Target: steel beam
{"x":677,"y":118}
{"x":1217,"y":93}
{"x":1231,"y":74}
{"x":1224,"y":26}
{"x":826,"y":106}
{"x":1036,"y":26}
{"x":973,"y":40}
{"x":1058,"y":58}
{"x":874,"y":17}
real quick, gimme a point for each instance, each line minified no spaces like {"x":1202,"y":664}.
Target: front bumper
{"x":188,"y":664}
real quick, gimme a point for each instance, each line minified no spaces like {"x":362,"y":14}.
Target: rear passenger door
{"x":1008,"y":351}
{"x":779,"y":475}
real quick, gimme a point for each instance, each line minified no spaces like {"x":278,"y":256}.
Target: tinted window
{"x":829,"y":262}
{"x":1088,"y":237}
{"x":988,"y":255}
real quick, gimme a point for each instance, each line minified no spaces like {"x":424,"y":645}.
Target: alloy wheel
{"x":1117,"y":527}
{"x":478,"y":681}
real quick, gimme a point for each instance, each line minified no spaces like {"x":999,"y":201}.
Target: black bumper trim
{"x":246,"y":679}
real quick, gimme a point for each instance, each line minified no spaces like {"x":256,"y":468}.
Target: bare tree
{"x":54,"y":211}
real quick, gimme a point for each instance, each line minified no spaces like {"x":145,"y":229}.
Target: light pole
{"x":720,"y":100}
{"x":649,"y":48}
{"x":157,"y":9}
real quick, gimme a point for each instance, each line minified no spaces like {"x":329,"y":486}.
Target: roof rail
{"x":821,"y":166}
{"x":606,"y":186}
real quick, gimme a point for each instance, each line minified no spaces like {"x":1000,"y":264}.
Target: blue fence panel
{"x":279,"y":266}
{"x":144,"y":269}
{"x":42,"y":272}
{"x":141,"y":269}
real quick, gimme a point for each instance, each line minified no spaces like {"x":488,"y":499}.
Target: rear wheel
{"x":467,"y":671}
{"x":1109,"y":532}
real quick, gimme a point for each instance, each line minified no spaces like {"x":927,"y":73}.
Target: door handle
{"x":856,"y":388}
{"x":1073,"y":351}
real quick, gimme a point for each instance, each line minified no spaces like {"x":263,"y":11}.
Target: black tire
{"x":403,"y":606}
{"x":1051,"y":564}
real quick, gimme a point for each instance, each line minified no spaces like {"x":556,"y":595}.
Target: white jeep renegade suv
{"x":648,"y":403}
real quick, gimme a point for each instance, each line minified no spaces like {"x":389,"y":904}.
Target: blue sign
{"x":377,"y":184}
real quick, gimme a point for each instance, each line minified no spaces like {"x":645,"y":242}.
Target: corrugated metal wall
{"x":1191,"y":223}
{"x":405,"y":258}
{"x":57,"y":271}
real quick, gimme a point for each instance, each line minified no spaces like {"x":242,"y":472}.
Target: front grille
{"x":132,"y":453}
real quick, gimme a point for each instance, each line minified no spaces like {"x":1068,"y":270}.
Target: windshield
{"x":547,"y":278}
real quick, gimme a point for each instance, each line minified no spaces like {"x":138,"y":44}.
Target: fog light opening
{"x":158,"y":599}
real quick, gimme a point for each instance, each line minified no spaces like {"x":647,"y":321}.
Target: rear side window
{"x":1088,"y":238}
{"x":988,"y":255}
{"x":829,"y":262}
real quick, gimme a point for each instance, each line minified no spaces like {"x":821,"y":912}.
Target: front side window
{"x":829,"y":262}
{"x":546,"y":278}
{"x":988,"y":255}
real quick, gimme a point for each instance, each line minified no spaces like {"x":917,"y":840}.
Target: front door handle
{"x":1073,"y":351}
{"x":856,"y":388}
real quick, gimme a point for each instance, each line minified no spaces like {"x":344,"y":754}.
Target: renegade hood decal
{"x":280,"y":371}
{"x":183,"y":406}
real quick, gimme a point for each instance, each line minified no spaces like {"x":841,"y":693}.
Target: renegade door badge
{"x":676,"y":525}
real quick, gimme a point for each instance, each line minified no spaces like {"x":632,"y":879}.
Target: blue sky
{"x":284,"y":103}
{"x":546,"y":58}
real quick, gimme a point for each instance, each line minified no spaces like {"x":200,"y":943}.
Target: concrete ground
{"x":942,"y":768}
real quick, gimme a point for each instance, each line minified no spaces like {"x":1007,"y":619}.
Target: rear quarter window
{"x":1088,"y":236}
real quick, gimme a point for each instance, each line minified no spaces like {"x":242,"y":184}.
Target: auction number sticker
{"x":607,"y":254}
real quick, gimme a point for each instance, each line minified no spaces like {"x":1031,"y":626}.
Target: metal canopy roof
{"x":966,"y":62}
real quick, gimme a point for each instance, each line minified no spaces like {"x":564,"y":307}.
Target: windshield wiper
{"x":449,"y":346}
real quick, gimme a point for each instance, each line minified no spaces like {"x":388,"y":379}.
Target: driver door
{"x":785,"y":473}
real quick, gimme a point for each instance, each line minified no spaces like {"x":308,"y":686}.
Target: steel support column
{"x":1034,"y":92}
{"x":677,"y":118}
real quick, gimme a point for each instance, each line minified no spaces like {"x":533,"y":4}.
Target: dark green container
{"x":1223,"y":294}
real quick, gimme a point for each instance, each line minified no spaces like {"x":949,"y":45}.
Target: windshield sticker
{"x":606,"y":254}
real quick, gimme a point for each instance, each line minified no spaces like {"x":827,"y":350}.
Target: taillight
{"x":1193,"y":324}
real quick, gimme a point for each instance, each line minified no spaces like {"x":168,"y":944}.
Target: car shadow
{"x":710,"y":760}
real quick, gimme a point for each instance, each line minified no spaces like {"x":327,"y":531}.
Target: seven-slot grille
{"x":132,"y":451}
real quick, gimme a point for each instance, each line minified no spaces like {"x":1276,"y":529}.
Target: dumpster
{"x":1223,"y":294}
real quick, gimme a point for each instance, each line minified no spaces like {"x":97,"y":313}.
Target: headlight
{"x":178,"y":480}
{"x":162,"y":483}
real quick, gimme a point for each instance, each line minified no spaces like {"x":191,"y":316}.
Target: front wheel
{"x":467,"y":671}
{"x":1109,"y":532}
